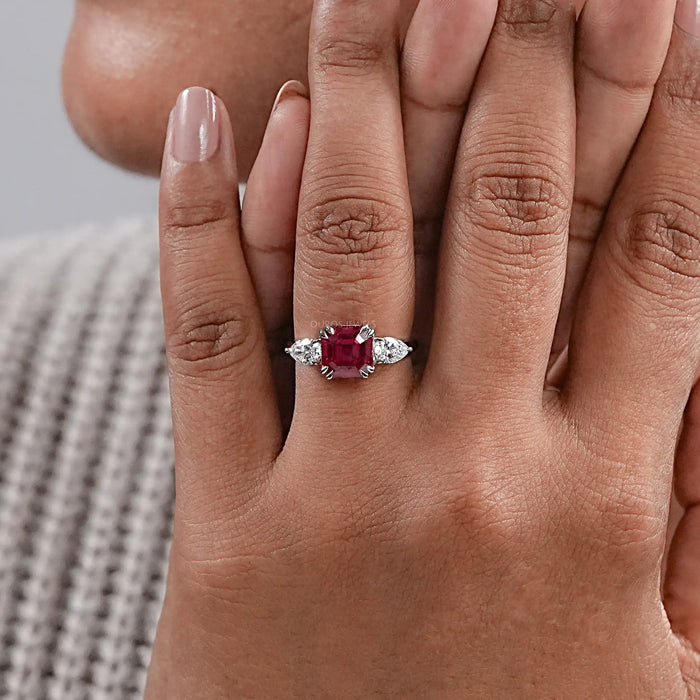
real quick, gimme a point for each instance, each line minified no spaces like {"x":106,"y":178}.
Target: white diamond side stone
{"x":387,"y":351}
{"x":307,"y":351}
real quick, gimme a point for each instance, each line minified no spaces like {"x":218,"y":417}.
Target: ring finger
{"x":354,"y":253}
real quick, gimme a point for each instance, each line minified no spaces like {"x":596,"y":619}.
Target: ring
{"x":348,"y":352}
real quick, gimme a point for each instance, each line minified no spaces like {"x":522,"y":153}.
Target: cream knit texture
{"x":86,"y":462}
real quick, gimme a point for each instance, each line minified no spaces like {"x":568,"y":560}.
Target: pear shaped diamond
{"x":307,"y":351}
{"x":387,"y":351}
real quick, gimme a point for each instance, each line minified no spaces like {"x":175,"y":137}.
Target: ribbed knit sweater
{"x":86,"y":462}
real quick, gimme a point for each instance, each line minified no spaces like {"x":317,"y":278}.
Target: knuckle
{"x":616,"y":517}
{"x":663,"y":244}
{"x":494,"y":525}
{"x":490,"y":502}
{"x":681,"y":86}
{"x":523,"y":208}
{"x":528,"y":16}
{"x":355,"y":56}
{"x":608,"y":506}
{"x":195,"y":215}
{"x":203,"y":340}
{"x":355,"y":230}
{"x":495,"y":515}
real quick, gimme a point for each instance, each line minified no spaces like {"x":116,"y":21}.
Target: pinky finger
{"x":271,"y":202}
{"x":269,"y":227}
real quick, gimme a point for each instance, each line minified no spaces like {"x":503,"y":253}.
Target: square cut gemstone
{"x":345,"y":354}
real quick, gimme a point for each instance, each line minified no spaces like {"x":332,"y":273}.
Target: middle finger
{"x":621,"y":47}
{"x":504,"y":242}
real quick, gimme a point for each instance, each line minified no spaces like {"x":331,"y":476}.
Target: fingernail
{"x":688,"y":16}
{"x":556,"y":372}
{"x":292,"y":88}
{"x":195,"y":126}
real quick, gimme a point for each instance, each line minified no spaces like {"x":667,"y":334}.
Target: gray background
{"x":48,"y":179}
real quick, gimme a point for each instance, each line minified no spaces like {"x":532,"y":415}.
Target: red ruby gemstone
{"x":344,"y":354}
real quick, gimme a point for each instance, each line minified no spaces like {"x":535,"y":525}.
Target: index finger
{"x":225,"y":417}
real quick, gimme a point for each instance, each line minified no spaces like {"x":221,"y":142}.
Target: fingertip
{"x":195,"y":132}
{"x":289,"y":120}
{"x":446,"y":39}
{"x":630,"y":35}
{"x":275,"y":177}
{"x":292,"y":88}
{"x":199,"y":142}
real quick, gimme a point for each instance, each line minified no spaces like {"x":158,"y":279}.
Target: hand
{"x":467,"y":534}
{"x":621,"y":47}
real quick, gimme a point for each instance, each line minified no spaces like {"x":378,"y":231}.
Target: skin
{"x":118,"y":93}
{"x":368,"y":569}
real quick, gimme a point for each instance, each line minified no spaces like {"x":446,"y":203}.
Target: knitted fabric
{"x":86,"y":463}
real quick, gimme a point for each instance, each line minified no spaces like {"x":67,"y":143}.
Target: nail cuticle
{"x":292,"y":88}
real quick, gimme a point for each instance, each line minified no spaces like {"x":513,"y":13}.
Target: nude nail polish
{"x":196,"y":130}
{"x":688,"y":16}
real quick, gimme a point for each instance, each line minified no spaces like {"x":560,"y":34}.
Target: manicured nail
{"x":196,"y":130}
{"x":292,"y":88}
{"x":688,"y":16}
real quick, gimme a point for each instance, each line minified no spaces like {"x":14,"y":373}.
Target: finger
{"x":269,"y":215}
{"x":682,"y":581}
{"x":270,"y":205}
{"x":636,"y":345}
{"x":621,"y":47}
{"x":225,"y":419}
{"x":354,"y":253}
{"x":441,"y":54}
{"x":504,"y":241}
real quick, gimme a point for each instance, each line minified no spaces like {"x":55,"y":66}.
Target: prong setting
{"x":366,"y":332}
{"x":346,"y":352}
{"x":367,"y":371}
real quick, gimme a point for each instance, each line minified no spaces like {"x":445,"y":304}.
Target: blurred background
{"x":48,"y":179}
